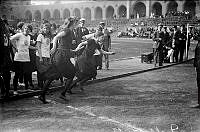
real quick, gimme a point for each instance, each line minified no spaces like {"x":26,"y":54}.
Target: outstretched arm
{"x":107,"y":52}
{"x":55,"y":39}
{"x":80,"y":46}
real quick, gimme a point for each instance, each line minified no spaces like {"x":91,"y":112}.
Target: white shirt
{"x":22,"y":45}
{"x":45,"y":46}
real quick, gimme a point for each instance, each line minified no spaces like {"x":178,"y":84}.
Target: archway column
{"x":104,"y":13}
{"x":164,"y":9}
{"x":92,"y":13}
{"x":197,"y":9}
{"x":128,"y":9}
{"x":148,"y":7}
{"x":116,"y":13}
{"x":180,"y":6}
{"x":61,"y":13}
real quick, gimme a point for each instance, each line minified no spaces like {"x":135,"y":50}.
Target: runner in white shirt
{"x":21,"y":58}
{"x":43,"y":52}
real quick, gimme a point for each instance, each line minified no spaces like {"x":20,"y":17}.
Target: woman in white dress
{"x":43,"y":52}
{"x":21,"y":58}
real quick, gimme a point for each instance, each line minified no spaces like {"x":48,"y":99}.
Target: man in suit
{"x":80,"y":31}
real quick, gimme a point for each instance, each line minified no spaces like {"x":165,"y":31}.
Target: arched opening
{"x":56,"y":14}
{"x":109,"y":12}
{"x":190,"y":6}
{"x":66,"y":13}
{"x":172,"y":6}
{"x":37,"y":15}
{"x":98,"y":13}
{"x":77,"y":12}
{"x":47,"y":15}
{"x":122,"y":11}
{"x":28,"y":15}
{"x":157,"y":9}
{"x":87,"y":13}
{"x":139,"y":10}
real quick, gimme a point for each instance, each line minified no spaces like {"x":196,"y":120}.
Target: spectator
{"x":197,"y":62}
{"x":158,"y":45}
{"x":21,"y":58}
{"x":6,"y":59}
{"x":43,"y":52}
{"x":176,"y":43}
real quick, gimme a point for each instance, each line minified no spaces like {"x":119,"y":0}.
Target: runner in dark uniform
{"x":61,"y":65}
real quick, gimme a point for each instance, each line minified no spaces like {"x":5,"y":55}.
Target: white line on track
{"x":130,"y":127}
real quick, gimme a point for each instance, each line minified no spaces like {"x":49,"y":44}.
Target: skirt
{"x":60,"y":66}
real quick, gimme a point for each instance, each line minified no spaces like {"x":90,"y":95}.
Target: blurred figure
{"x":176,"y":43}
{"x":106,"y":45}
{"x":197,"y":61}
{"x":183,"y":38}
{"x":6,"y":59}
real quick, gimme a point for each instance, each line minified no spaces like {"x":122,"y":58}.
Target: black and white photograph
{"x":99,"y":65}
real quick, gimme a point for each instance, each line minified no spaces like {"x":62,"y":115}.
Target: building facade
{"x":101,"y":10}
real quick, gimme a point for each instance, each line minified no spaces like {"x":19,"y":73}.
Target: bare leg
{"x":42,"y":97}
{"x":68,"y":83}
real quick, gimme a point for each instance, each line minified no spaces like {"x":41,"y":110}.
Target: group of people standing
{"x":170,"y":45}
{"x":51,"y":55}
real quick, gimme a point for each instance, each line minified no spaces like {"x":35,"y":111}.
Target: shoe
{"x":15,"y":93}
{"x":21,"y":84}
{"x":196,"y":106}
{"x":42,"y":98}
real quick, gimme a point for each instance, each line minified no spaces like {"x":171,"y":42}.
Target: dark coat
{"x":197,"y":51}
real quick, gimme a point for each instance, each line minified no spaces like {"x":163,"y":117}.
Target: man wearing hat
{"x":158,"y":38}
{"x":182,"y":39}
{"x":176,"y":43}
{"x":197,"y":60}
{"x":79,"y":32}
{"x":106,"y":45}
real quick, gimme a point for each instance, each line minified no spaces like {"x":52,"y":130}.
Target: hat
{"x":82,"y":20}
{"x":102,"y":23}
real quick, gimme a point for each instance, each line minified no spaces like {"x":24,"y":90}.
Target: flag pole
{"x":186,"y":44}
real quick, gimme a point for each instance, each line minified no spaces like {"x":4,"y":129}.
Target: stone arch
{"x":110,"y":12}
{"x":157,"y":9}
{"x":37,"y":15}
{"x":190,"y":6}
{"x":122,"y":11}
{"x":87,"y":13}
{"x":46,"y":14}
{"x":77,"y":12}
{"x":66,"y":13}
{"x":172,"y":6}
{"x":56,"y":14}
{"x":28,"y":15}
{"x":140,"y":9}
{"x":98,"y":13}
